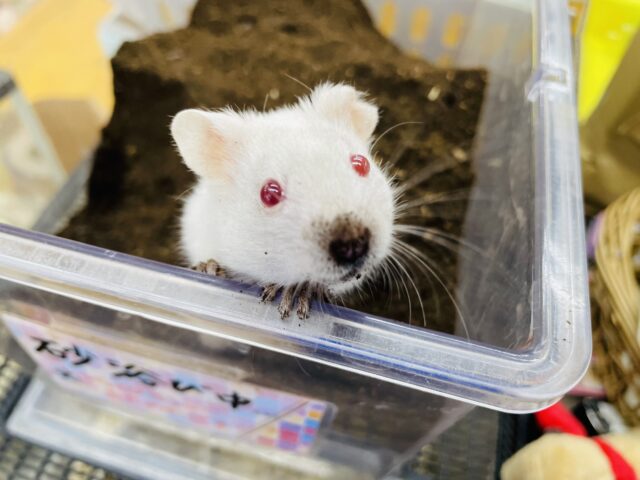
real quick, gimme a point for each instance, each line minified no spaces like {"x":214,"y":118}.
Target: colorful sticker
{"x":232,"y":410}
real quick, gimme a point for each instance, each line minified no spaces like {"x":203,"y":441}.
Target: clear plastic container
{"x":381,"y":388}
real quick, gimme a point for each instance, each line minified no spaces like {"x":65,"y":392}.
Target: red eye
{"x":271,"y":193}
{"x":360,"y":165}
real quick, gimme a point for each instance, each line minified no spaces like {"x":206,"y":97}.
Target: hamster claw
{"x":303,"y":308}
{"x":210,"y":267}
{"x":286,"y":303}
{"x":303,"y":303}
{"x":291,"y":295}
{"x":269,"y":293}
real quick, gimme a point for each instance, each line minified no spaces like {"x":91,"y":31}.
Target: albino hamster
{"x":290,"y":199}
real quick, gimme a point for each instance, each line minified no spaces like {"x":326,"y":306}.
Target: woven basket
{"x":615,"y":296}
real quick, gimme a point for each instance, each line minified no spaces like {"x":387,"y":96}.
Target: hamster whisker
{"x":398,"y":254}
{"x":307,"y":374}
{"x":401,"y":254}
{"x":384,"y":274}
{"x":427,"y":275}
{"x":385,"y":168}
{"x":389,"y":273}
{"x":299,"y":82}
{"x":453,"y":243}
{"x":426,"y":173}
{"x":398,"y":203}
{"x":395,"y":261}
{"x":425,"y":213}
{"x":368,"y":285}
{"x":339,"y":299}
{"x":413,"y":284}
{"x":426,"y":262}
{"x":321,"y":296}
{"x":441,"y":197}
{"x":397,"y":155}
{"x":179,"y":197}
{"x":266,"y":100}
{"x":390,"y":129}
{"x":398,"y":196}
{"x":358,"y":290}
{"x":417,"y":204}
{"x":391,"y":279}
{"x":398,"y":214}
{"x":428,"y":233}
{"x":402,"y":148}
{"x":396,"y":278}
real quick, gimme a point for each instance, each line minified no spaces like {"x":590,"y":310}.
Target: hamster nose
{"x":350,"y":250}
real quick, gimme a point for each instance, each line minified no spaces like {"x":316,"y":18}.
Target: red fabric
{"x":558,"y":418}
{"x":621,"y":468}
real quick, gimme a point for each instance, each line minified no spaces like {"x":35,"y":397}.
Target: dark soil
{"x":235,"y":53}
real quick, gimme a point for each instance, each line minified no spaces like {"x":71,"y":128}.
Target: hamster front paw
{"x":269,"y":293}
{"x":290,"y":295}
{"x":210,"y":267}
{"x":303,"y":302}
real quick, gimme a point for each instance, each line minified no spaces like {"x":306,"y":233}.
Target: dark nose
{"x":350,"y":249}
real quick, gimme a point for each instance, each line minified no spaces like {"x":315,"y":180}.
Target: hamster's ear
{"x":206,"y":140}
{"x":346,"y":104}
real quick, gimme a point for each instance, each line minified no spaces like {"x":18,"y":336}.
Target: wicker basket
{"x":615,"y":295}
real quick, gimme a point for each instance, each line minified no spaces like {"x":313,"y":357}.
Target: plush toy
{"x":572,"y":455}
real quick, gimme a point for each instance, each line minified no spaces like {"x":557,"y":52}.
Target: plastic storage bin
{"x":164,"y":373}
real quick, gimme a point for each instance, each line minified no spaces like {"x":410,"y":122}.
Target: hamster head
{"x":289,"y":196}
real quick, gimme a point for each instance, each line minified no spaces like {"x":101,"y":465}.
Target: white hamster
{"x":290,"y":199}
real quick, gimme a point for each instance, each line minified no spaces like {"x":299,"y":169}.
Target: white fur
{"x":306,"y":147}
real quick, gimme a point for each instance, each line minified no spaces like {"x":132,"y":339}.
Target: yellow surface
{"x":609,"y":27}
{"x":53,"y":52}
{"x":388,"y":18}
{"x":453,"y":30}
{"x":420,"y":24}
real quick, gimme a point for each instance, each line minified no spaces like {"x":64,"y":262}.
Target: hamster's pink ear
{"x":343,"y":103}
{"x":205,"y":140}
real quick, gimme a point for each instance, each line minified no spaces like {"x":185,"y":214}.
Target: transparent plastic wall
{"x":379,"y":388}
{"x":496,"y":257}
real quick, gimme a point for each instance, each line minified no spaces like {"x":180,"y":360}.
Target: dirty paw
{"x":286,"y":302}
{"x":269,"y":293}
{"x":303,"y":303}
{"x":210,"y":267}
{"x":295,"y":296}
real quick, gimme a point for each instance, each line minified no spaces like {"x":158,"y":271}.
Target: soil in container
{"x":238,"y":54}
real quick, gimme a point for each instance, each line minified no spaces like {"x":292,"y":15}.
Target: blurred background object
{"x":11,"y":11}
{"x":30,"y":170}
{"x":609,"y":99}
{"x":129,"y":21}
{"x":606,"y":34}
{"x":615,"y":296}
{"x":60,"y":96}
{"x":54,"y":52}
